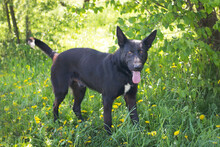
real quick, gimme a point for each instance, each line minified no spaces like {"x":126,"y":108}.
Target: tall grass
{"x":169,"y":103}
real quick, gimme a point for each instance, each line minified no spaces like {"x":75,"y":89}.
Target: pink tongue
{"x":136,"y":77}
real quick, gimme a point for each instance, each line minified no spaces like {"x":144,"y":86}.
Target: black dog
{"x":111,"y":75}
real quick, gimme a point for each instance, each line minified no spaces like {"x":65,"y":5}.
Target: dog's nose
{"x":137,"y":66}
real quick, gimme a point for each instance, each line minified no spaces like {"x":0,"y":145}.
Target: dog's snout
{"x":137,"y":64}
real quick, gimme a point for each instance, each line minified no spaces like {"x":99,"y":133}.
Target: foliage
{"x":178,"y":99}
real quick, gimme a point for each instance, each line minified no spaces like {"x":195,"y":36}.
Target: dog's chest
{"x":127,"y":87}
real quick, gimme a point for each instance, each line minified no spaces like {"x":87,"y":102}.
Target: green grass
{"x":171,"y":101}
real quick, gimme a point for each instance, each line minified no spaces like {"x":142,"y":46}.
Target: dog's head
{"x":134,"y":52}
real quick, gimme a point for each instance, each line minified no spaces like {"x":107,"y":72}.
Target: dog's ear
{"x":121,"y":37}
{"x":149,"y":39}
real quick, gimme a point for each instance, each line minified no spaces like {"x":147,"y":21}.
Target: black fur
{"x":108,"y":74}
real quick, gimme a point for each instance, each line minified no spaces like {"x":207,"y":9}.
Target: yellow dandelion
{"x":62,"y":140}
{"x":37,"y":119}
{"x":202,"y":117}
{"x":118,"y":104}
{"x":25,"y":80}
{"x":125,"y":142}
{"x":147,"y":70}
{"x":6,"y":109}
{"x":115,"y":106}
{"x":79,"y":121}
{"x":112,"y":126}
{"x":173,"y":66}
{"x":15,"y":104}
{"x":164,"y":137}
{"x":64,"y":122}
{"x":24,"y":109}
{"x":88,"y":141}
{"x":147,"y":122}
{"x":122,"y":120}
{"x":218,"y":81}
{"x":60,"y":128}
{"x":83,"y":111}
{"x":69,"y":141}
{"x":176,"y":133}
{"x":140,"y":101}
{"x":217,"y":126}
{"x":154,"y":106}
{"x":11,"y":92}
{"x":153,"y":133}
{"x":77,"y":126}
{"x":35,"y":106}
{"x":186,"y":136}
{"x":46,"y":113}
{"x":91,"y":96}
{"x":164,"y":88}
{"x":3,"y":95}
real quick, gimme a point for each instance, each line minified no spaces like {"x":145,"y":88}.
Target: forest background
{"x":179,"y":95}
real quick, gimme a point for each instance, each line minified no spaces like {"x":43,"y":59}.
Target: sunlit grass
{"x":167,"y":104}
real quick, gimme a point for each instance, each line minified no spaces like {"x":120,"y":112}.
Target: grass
{"x":171,"y":102}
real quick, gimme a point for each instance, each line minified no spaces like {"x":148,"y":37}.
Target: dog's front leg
{"x":130,"y":99}
{"x":107,"y":103}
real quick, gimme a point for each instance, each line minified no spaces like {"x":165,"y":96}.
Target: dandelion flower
{"x":147,"y":122}
{"x":164,"y":137}
{"x":83,"y":111}
{"x":88,"y":141}
{"x":37,"y":119}
{"x":91,"y":96}
{"x":118,"y":104}
{"x":186,"y":136}
{"x":153,"y":105}
{"x":69,"y":141}
{"x":140,"y":101}
{"x":153,"y":133}
{"x":217,"y":126}
{"x":35,"y":106}
{"x":115,"y":106}
{"x":122,"y":120}
{"x":202,"y":117}
{"x":176,"y":133}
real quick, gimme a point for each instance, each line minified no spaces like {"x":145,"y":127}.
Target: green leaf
{"x":170,"y":7}
{"x":132,"y":19}
{"x":208,"y":31}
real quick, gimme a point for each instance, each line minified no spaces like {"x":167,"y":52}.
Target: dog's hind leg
{"x":60,"y":88}
{"x":79,"y":93}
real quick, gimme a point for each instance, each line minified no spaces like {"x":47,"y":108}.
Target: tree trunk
{"x":14,"y":21}
{"x":7,"y":14}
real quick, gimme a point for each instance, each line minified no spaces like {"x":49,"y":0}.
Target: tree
{"x":195,"y":43}
{"x":7,"y":14}
{"x":16,"y":31}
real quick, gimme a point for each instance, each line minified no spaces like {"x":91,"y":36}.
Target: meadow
{"x":177,"y":104}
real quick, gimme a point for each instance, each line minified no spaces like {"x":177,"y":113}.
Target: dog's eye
{"x":129,"y":52}
{"x":140,"y":52}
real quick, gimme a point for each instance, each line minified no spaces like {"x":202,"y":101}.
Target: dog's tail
{"x":43,"y":46}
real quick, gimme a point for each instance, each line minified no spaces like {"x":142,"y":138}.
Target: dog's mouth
{"x":136,"y":77}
